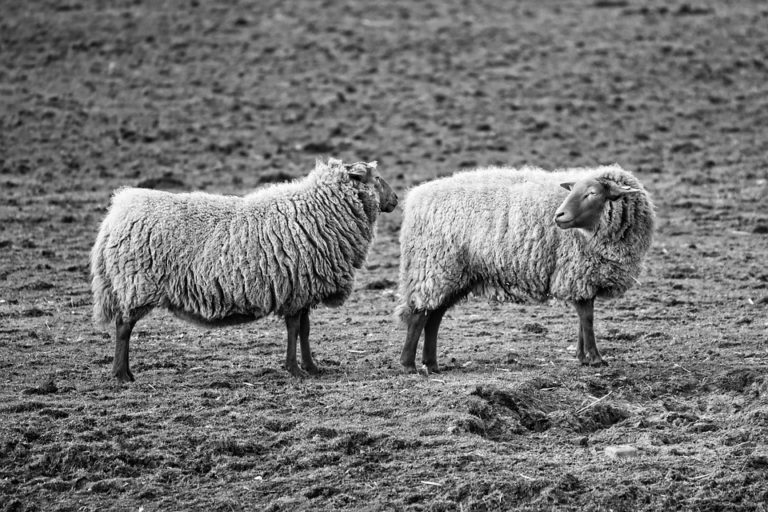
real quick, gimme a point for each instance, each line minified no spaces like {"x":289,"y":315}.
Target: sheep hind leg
{"x":293,"y":326}
{"x":429,"y":353}
{"x":306,"y":354}
{"x":415,"y":323}
{"x":586,"y":350}
{"x":120,"y":368}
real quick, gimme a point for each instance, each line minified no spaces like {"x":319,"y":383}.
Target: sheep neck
{"x":624,"y":232}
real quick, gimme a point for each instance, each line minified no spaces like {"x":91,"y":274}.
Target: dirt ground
{"x":222,"y":96}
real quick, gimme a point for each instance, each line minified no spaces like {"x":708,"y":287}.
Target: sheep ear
{"x":567,"y":186}
{"x":359,"y":172}
{"x":614,"y":191}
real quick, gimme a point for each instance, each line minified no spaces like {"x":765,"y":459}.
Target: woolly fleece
{"x":212,"y":258}
{"x":491,"y":232}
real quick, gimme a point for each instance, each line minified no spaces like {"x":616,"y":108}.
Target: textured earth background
{"x":224,"y":96}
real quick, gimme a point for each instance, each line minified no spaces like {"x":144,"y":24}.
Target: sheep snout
{"x":387,"y":198}
{"x":562,"y":220}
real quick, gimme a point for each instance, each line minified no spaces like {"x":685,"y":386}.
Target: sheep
{"x":492,"y":232}
{"x":221,"y":260}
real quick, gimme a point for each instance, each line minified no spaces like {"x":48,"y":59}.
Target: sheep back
{"x":211,"y":258}
{"x":491,"y":232}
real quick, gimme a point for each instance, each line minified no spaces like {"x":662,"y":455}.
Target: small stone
{"x":620,"y":452}
{"x":703,"y":426}
{"x":511,"y":358}
{"x":535,"y":328}
{"x":380,"y":284}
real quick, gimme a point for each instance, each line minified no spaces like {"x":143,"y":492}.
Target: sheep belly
{"x":233,"y":319}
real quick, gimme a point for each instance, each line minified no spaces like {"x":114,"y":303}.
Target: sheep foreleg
{"x":293,"y":325}
{"x":120,"y":367}
{"x":306,"y":355}
{"x":429,"y":354}
{"x":586,"y":350}
{"x":415,"y":325}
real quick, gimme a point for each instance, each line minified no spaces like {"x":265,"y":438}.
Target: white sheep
{"x":222,"y":260}
{"x":492,"y":232}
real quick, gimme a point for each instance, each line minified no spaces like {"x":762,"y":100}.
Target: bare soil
{"x":223,"y":96}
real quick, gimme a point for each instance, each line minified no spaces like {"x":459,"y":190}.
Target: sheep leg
{"x":429,"y":353}
{"x":416,"y":324}
{"x":293,"y":326}
{"x":580,"y":344}
{"x":306,"y":355}
{"x":120,"y":368}
{"x":586,"y":350}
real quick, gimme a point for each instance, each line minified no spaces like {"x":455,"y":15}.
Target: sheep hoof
{"x":410,"y":368}
{"x":430,"y":368}
{"x":294,"y":370}
{"x":311,"y":368}
{"x":595,"y":362}
{"x":123,"y":375}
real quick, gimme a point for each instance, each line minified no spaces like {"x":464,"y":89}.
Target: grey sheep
{"x":493,"y":232}
{"x":221,"y":260}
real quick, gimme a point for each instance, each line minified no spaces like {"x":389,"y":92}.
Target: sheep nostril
{"x":559,"y":214}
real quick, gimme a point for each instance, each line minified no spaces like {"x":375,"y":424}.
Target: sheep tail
{"x":105,"y":304}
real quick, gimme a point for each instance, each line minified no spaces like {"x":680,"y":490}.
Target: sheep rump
{"x":490,"y":232}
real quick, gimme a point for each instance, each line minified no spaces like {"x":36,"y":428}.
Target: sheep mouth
{"x":389,"y":206}
{"x":564,"y":223}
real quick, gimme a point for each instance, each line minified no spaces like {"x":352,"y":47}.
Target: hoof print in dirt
{"x":47,"y":388}
{"x":321,"y":491}
{"x":598,"y":417}
{"x":500,"y":414}
{"x":738,"y":380}
{"x":534,"y":328}
{"x":220,"y":384}
{"x":34,"y":312}
{"x":380,"y":284}
{"x":354,"y":442}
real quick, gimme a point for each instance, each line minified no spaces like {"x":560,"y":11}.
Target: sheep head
{"x":366,"y":173}
{"x":584,"y":205}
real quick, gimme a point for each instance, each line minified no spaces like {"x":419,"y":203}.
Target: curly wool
{"x":490,"y":232}
{"x":212,"y":258}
